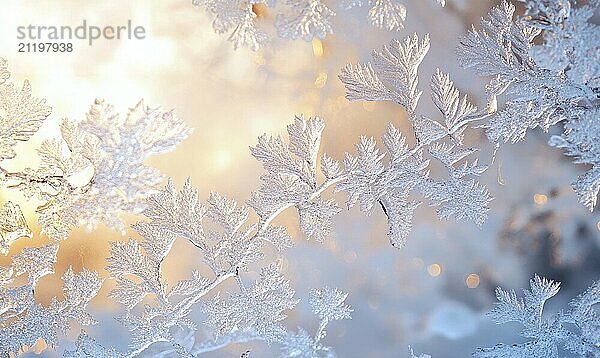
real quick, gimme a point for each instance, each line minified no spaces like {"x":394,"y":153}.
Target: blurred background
{"x":432,"y":293}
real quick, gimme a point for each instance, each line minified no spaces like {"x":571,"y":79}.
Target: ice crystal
{"x":295,"y":19}
{"x":542,"y":85}
{"x":307,"y":19}
{"x":12,"y":226}
{"x":87,"y":347}
{"x":22,"y":320}
{"x":227,"y":248}
{"x":388,"y":14}
{"x":21,"y":115}
{"x":97,"y":171}
{"x":219,"y":229}
{"x":412,"y":354}
{"x":237,"y":18}
{"x":370,"y":180}
{"x":90,"y":175}
{"x":328,"y":304}
{"x":259,"y":308}
{"x":291,"y":179}
{"x":574,"y":330}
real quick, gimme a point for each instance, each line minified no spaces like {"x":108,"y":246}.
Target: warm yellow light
{"x":434,"y":270}
{"x":540,"y":199}
{"x":222,"y":160}
{"x":598,"y":225}
{"x":259,"y":60}
{"x":317,"y":46}
{"x":321,"y":80}
{"x":40,"y":346}
{"x":472,"y":280}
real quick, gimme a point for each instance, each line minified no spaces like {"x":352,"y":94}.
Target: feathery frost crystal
{"x":543,"y":85}
{"x":575,"y":330}
{"x":393,"y":76}
{"x":228,"y":244}
{"x":95,"y":172}
{"x":295,"y":19}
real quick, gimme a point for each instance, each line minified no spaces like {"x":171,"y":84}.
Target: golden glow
{"x":40,"y":346}
{"x":222,"y":160}
{"x":321,"y":80}
{"x":434,"y":270}
{"x":598,"y":225}
{"x":317,"y":46}
{"x":259,"y":59}
{"x":540,"y":199}
{"x":472,"y":280}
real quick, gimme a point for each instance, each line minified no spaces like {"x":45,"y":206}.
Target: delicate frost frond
{"x":542,"y":85}
{"x":500,"y":47}
{"x":363,"y":84}
{"x":575,"y":330}
{"x":328,"y":304}
{"x":397,"y":66}
{"x":308,"y":19}
{"x":21,"y":115}
{"x":365,"y":169}
{"x":393,"y":75}
{"x":388,"y":14}
{"x":316,"y":218}
{"x":22,"y":320}
{"x":389,"y":178}
{"x":447,"y":99}
{"x":412,"y":353}
{"x":87,"y":347}
{"x":12,"y":226}
{"x":581,"y":140}
{"x":294,"y":19}
{"x":219,"y":230}
{"x":291,"y":178}
{"x":237,"y":18}
{"x":330,"y":167}
{"x":462,"y":200}
{"x":179,"y":212}
{"x":249,"y":308}
{"x":36,"y":262}
{"x":103,"y":174}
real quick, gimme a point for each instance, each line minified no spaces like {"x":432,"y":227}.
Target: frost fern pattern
{"x":92,"y":174}
{"x":295,"y":19}
{"x":543,"y":85}
{"x":220,"y":231}
{"x":574,"y":330}
{"x":390,"y":183}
